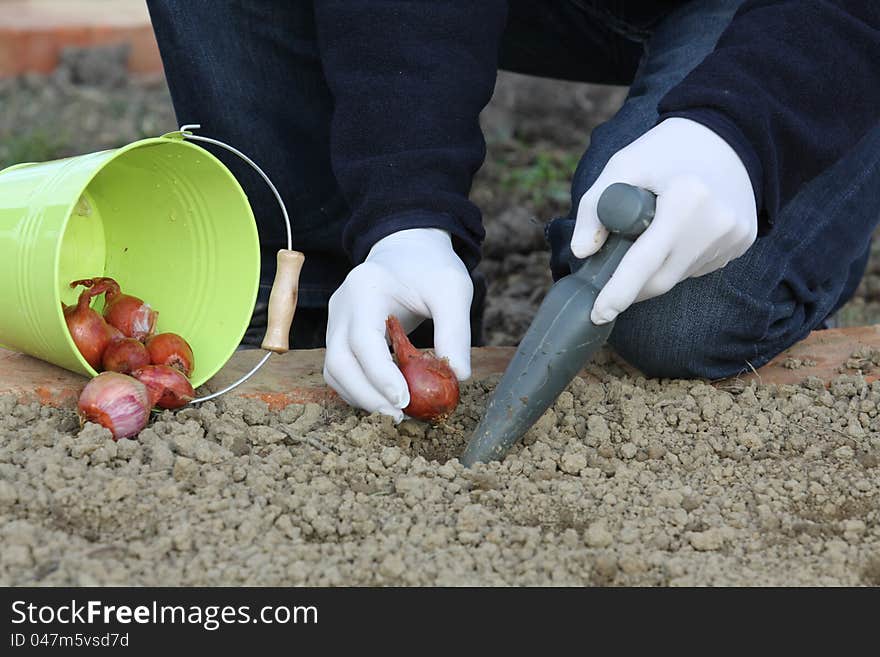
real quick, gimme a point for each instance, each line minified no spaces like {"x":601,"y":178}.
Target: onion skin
{"x":115,"y":333}
{"x":433,"y":386}
{"x":168,"y":387}
{"x":89,"y":331}
{"x":172,"y":350}
{"x":125,"y":356}
{"x":117,"y":402}
{"x":131,"y":315}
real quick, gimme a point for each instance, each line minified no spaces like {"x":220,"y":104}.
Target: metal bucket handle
{"x":285,"y":287}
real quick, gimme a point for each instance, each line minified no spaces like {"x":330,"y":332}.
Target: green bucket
{"x":162,"y":216}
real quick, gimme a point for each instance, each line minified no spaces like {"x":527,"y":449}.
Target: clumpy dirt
{"x":623,"y":482}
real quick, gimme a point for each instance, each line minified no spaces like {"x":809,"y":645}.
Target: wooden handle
{"x":282,"y":301}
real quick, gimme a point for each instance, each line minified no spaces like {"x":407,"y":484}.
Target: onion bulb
{"x":172,"y":350}
{"x":168,"y":387}
{"x":125,"y":355}
{"x":117,"y":402}
{"x":433,"y":386}
{"x":131,"y":315}
{"x":89,"y":331}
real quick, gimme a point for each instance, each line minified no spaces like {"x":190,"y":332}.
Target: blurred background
{"x":78,"y":76}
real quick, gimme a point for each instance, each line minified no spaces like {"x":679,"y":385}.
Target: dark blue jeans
{"x":250,"y":73}
{"x":785,"y":285}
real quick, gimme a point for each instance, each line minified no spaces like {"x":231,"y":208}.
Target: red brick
{"x":827,"y":350}
{"x":296,"y":376}
{"x":33,"y":33}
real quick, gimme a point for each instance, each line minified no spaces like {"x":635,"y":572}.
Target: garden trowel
{"x":561,"y":339}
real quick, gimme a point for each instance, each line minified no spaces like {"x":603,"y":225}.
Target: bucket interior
{"x":172,"y":225}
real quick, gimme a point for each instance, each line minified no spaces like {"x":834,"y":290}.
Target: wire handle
{"x":285,"y":288}
{"x":186,"y":132}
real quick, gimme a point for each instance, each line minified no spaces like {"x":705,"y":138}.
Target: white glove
{"x":705,"y":217}
{"x":413,"y":274}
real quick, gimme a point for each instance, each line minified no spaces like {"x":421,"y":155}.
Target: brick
{"x":825,"y":351}
{"x":296,"y":376}
{"x":33,"y":32}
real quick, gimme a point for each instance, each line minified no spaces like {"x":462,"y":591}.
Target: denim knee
{"x":693,"y":331}
{"x":704,"y":327}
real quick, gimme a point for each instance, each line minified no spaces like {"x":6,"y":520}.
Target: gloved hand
{"x":413,"y":274}
{"x":705,"y":217}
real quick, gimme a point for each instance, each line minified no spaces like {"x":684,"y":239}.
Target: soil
{"x":624,"y":482}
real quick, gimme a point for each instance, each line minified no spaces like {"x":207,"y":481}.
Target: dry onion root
{"x":433,"y":386}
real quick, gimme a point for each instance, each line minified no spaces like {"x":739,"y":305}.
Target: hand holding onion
{"x":411,"y":274}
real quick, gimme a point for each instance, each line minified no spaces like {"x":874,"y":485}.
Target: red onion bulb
{"x":168,"y":387}
{"x":433,"y":386}
{"x":89,"y":331}
{"x":125,"y":355}
{"x":172,"y":350}
{"x":117,"y":402}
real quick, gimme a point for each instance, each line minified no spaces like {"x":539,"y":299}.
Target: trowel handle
{"x":626,"y":210}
